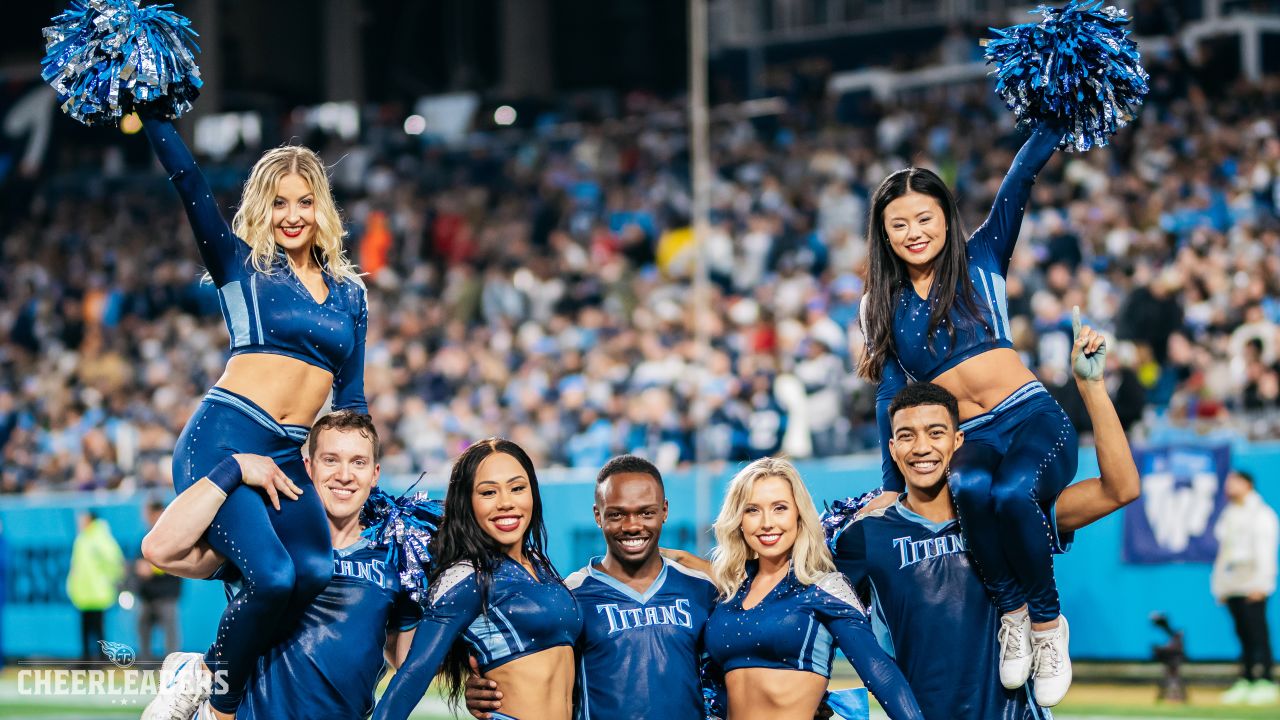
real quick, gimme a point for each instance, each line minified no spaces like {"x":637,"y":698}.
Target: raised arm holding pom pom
{"x":294,"y":307}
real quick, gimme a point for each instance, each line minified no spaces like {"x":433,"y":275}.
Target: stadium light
{"x":504,"y":115}
{"x":415,"y":125}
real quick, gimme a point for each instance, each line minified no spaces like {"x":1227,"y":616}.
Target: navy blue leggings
{"x":1005,"y":480}
{"x":285,"y":557}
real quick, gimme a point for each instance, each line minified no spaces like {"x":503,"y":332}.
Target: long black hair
{"x":887,"y":275}
{"x":462,"y":539}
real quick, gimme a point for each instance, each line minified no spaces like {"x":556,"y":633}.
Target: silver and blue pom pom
{"x":840,"y":513}
{"x":405,"y":525}
{"x":1076,"y":69}
{"x":108,"y":58}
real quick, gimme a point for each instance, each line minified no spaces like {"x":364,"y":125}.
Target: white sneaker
{"x":1051,"y":663}
{"x":184,"y":686}
{"x":1015,"y":649}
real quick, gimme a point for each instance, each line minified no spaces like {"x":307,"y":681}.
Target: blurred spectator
{"x":158,"y":594}
{"x":93,"y":583}
{"x":1244,"y":576}
{"x":539,"y":283}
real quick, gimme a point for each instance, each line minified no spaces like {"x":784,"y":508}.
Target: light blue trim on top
{"x":879,"y":627}
{"x":1002,"y":303}
{"x":1018,"y":396}
{"x":488,"y":641}
{"x":510,"y":628}
{"x":297,"y":433}
{"x":625,"y":589}
{"x":237,"y":313}
{"x":933,"y":527}
{"x":354,"y":547}
{"x":820,"y":658}
{"x":806,"y":653}
{"x":257,"y":314}
{"x":987,"y":294}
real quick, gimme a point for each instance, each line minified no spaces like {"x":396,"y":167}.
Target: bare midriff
{"x":982,"y":381}
{"x":773,"y":694}
{"x":537,"y":686}
{"x":291,"y":390}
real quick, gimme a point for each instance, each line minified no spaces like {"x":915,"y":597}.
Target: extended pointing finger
{"x":1075,"y":320}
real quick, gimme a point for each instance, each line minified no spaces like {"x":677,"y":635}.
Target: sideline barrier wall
{"x":1108,"y":601}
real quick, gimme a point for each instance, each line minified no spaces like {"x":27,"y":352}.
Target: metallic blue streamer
{"x":406,"y":526}
{"x":108,"y":58}
{"x":840,"y":513}
{"x":1076,"y":69}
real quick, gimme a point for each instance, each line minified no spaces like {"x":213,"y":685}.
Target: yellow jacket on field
{"x":97,"y":567}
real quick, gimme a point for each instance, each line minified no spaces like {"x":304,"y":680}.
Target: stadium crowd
{"x":538,"y":283}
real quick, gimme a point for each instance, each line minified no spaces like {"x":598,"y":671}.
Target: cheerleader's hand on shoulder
{"x":1089,"y":352}
{"x":883,"y":500}
{"x":687,"y":559}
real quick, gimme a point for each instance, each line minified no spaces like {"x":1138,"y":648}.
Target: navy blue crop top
{"x":269,"y":312}
{"x":792,"y":628}
{"x":989,"y":250}
{"x":525,"y":615}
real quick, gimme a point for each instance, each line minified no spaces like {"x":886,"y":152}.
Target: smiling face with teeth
{"x":770,"y":520}
{"x":916,"y":228}
{"x":344,"y":471}
{"x":502,"y":500}
{"x":293,"y":214}
{"x":924,"y":439}
{"x":630,"y":509}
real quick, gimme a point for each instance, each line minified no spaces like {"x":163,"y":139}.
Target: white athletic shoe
{"x":1052,"y":663}
{"x":184,"y":686}
{"x":1015,"y":649}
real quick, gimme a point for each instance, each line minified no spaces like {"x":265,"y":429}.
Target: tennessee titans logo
{"x":121,"y":655}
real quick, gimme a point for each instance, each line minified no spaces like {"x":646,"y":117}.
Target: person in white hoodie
{"x":1244,"y":576}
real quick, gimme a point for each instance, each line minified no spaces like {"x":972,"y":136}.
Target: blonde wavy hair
{"x":810,"y":558}
{"x":252,"y":222}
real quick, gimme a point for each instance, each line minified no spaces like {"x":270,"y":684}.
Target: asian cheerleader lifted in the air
{"x":935,"y":310}
{"x":294,"y":307}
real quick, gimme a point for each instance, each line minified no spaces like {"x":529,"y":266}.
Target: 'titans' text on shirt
{"x":913,"y":551}
{"x":626,"y":618}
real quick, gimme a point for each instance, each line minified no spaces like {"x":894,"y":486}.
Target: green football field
{"x":1086,"y":701}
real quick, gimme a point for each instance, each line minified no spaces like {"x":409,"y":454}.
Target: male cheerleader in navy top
{"x":640,"y":649}
{"x":784,"y":608}
{"x":936,"y":310}
{"x":333,"y":658}
{"x":295,"y":309}
{"x":494,"y":594}
{"x":928,"y":606}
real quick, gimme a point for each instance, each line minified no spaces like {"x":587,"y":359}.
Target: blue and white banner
{"x":1182,"y":496}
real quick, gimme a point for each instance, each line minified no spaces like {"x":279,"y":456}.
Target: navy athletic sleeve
{"x":223,"y":253}
{"x":842,"y":614}
{"x":997,"y":236}
{"x":454,"y":603}
{"x":405,"y":614}
{"x":851,"y":553}
{"x":348,"y":382}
